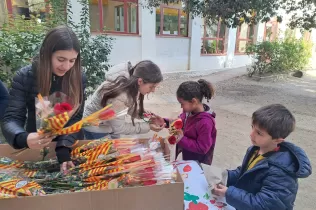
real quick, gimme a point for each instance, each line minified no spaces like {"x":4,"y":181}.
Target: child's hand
{"x":156,"y":128}
{"x":219,"y":190}
{"x":179,"y":135}
{"x":155,"y":119}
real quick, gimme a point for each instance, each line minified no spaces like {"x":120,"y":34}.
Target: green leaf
{"x":25,"y":38}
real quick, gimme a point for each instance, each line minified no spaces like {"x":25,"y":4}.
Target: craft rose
{"x":53,"y":112}
{"x":174,"y":130}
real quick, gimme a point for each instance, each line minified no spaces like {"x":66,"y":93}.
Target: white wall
{"x":200,"y":62}
{"x":172,"y":54}
{"x":126,"y":48}
{"x":240,"y":61}
{"x":195,"y":27}
{"x":207,"y":63}
{"x":235,"y":60}
{"x":232,"y":35}
{"x":76,"y":8}
{"x":260,"y":32}
{"x":147,"y":30}
{"x":217,"y":63}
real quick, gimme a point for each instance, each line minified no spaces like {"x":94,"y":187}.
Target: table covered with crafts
{"x":197,"y":193}
{"x":121,"y":174}
{"x":124,"y":174}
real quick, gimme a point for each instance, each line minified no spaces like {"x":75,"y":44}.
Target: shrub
{"x":20,"y":41}
{"x":279,"y":56}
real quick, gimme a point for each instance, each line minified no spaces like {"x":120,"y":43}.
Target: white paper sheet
{"x":197,"y":194}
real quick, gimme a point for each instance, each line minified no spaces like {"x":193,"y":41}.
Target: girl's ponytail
{"x":207,"y":89}
{"x":130,"y":68}
{"x":199,"y":90}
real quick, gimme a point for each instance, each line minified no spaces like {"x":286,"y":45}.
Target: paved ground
{"x":236,"y":99}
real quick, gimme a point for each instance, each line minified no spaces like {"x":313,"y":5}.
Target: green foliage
{"x":279,"y":56}
{"x":235,"y":12}
{"x":19,"y":42}
{"x":95,"y":50}
{"x":21,"y":39}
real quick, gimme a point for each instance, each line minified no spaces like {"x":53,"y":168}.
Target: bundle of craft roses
{"x":99,"y":165}
{"x":174,"y":129}
{"x":53,"y":113}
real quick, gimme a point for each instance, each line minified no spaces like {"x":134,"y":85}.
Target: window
{"x":171,"y":20}
{"x":245,"y":35}
{"x":307,"y":36}
{"x":290,"y":33}
{"x":3,"y":12}
{"x":117,"y":16}
{"x":271,"y":31}
{"x":214,"y":38}
{"x":297,"y":33}
{"x":24,"y":8}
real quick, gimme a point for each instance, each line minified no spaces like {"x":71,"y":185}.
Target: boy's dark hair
{"x":199,"y":90}
{"x":276,"y":119}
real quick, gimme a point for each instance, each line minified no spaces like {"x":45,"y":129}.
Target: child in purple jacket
{"x":198,"y":136}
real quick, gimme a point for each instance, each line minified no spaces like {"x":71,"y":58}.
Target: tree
{"x":21,"y":39}
{"x":235,"y":12}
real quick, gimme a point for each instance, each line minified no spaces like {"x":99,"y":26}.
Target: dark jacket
{"x":4,"y":97}
{"x":21,"y":111}
{"x":272,"y":183}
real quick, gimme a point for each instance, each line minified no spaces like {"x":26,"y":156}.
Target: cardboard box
{"x":157,"y":197}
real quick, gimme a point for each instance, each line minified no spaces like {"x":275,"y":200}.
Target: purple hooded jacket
{"x":199,"y":136}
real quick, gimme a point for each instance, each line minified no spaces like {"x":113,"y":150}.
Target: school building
{"x":167,"y":35}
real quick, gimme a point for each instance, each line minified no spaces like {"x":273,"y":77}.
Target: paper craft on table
{"x":197,"y":193}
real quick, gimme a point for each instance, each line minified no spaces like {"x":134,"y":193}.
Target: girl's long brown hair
{"x":60,"y":38}
{"x":147,"y":71}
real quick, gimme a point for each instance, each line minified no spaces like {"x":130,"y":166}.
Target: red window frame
{"x":248,"y":40}
{"x":101,"y":24}
{"x":274,"y":36}
{"x":307,"y":36}
{"x":162,"y":6}
{"x":217,"y":39}
{"x":10,"y":7}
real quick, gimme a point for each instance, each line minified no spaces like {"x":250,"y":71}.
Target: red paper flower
{"x":198,"y":206}
{"x":107,"y":114}
{"x":172,"y":140}
{"x":150,"y":182}
{"x":60,"y":108}
{"x":147,"y":115}
{"x":187,"y":168}
{"x":178,"y":124}
{"x":134,"y":159}
{"x":220,"y":205}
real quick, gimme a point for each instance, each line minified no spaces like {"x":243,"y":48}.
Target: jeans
{"x":92,"y":136}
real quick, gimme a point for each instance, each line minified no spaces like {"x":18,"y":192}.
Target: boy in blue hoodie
{"x":267,"y":178}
